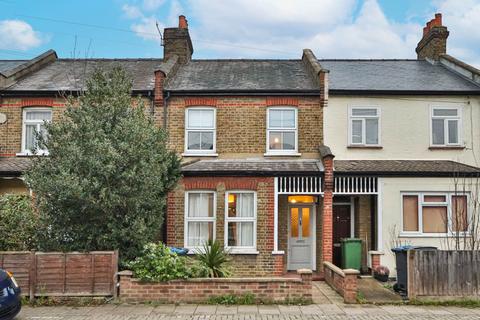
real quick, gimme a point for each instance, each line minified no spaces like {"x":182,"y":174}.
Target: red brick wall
{"x":342,"y":281}
{"x":200,"y":290}
{"x":327,"y":217}
{"x":261,"y":264}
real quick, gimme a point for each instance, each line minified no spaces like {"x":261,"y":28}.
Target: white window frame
{"x":213,"y":129}
{"x":213,"y":219}
{"x":241,"y":249}
{"x":459,"y":118}
{"x":276,"y":152}
{"x":26,"y":151}
{"x":351,"y":117}
{"x":422,"y":203}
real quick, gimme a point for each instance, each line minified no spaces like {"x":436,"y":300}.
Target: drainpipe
{"x":165,"y":218}
{"x":152,"y":104}
{"x":165,"y":101}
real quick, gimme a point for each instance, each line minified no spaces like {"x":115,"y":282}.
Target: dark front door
{"x":341,"y":229}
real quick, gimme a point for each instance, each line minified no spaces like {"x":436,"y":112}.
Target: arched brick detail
{"x":37,"y":102}
{"x":200,"y":183}
{"x":200,"y":101}
{"x":282,"y":101}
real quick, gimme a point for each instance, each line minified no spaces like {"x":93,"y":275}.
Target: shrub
{"x":214,"y":260}
{"x":18,"y":222}
{"x":158,"y":263}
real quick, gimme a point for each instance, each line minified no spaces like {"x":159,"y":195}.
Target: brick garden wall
{"x":261,"y":264}
{"x":201,"y":289}
{"x":342,"y":281}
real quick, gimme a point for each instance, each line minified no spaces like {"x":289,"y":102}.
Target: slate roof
{"x":433,"y":168}
{"x":6,"y":65}
{"x":394,"y":75}
{"x":69,"y":74}
{"x":13,"y":166}
{"x":253,"y":167}
{"x":242,"y":75}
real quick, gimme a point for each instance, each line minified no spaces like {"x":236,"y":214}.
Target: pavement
{"x":327,"y":304}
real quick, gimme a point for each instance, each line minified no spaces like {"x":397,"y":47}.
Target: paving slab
{"x":330,"y":309}
{"x":185,"y":309}
{"x":268,"y":309}
{"x":249,"y":309}
{"x":164,"y":309}
{"x":227,"y":310}
{"x":395,"y":310}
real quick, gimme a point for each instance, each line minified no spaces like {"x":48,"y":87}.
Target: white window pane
{"x":288,"y":120}
{"x":364,"y":112}
{"x":200,"y":205}
{"x":199,"y":233}
{"x":193,"y":140}
{"x":30,"y":140}
{"x":289,"y":141}
{"x":452,"y":131}
{"x":445,"y":112}
{"x":275,"y":118}
{"x":241,"y":205}
{"x":371,"y":131}
{"x":438,"y":133}
{"x":200,"y":119}
{"x":240,"y":234}
{"x":38,"y":115}
{"x":275,"y":141}
{"x":206,"y":141}
{"x":356,"y":131}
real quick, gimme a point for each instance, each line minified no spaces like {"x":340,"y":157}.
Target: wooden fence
{"x":63,"y":274}
{"x":442,"y":274}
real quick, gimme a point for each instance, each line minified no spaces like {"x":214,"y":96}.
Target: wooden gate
{"x":63,"y":274}
{"x":439,"y":273}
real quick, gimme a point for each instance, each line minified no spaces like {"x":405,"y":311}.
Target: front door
{"x":301,"y":240}
{"x":341,"y":229}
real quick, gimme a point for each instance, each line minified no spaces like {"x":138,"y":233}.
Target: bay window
{"x":282,"y":131}
{"x":434,"y":213}
{"x":34,"y":120}
{"x":446,"y":126}
{"x":364,"y":126}
{"x":199,"y":218}
{"x":241,"y":221}
{"x":200,"y":130}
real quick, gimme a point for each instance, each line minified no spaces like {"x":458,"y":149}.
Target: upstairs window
{"x":34,"y":120}
{"x":446,"y":126}
{"x":200,"y":130}
{"x":364,"y":126}
{"x":282,"y":131}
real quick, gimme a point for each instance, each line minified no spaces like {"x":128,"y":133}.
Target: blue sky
{"x":235,"y":28}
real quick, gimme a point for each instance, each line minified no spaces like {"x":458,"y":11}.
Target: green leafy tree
{"x":104,"y":184}
{"x":18,"y":222}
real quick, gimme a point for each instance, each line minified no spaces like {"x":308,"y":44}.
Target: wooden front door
{"x":341,"y":229}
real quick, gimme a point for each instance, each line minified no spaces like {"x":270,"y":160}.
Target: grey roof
{"x":6,"y":65}
{"x":242,"y":75}
{"x":257,"y":167}
{"x":394,"y":75}
{"x":14,"y":166}
{"x":69,"y":74}
{"x":404,"y":168}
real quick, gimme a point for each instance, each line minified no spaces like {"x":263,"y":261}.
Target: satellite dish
{"x":3,"y":118}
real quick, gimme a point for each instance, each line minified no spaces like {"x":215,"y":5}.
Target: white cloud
{"x":132,"y":12}
{"x":146,"y":29}
{"x":151,"y":5}
{"x":18,"y":35}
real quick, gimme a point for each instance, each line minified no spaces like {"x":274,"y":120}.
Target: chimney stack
{"x":177,"y":41}
{"x":434,"y":41}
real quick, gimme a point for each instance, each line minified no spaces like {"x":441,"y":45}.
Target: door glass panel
{"x":305,"y":222}
{"x":294,"y":222}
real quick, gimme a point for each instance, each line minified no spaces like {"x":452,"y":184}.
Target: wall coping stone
{"x":376,"y":252}
{"x":304,"y":271}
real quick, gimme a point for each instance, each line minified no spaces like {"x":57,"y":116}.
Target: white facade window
{"x":200,"y":130}
{"x":282,"y":130}
{"x":446,"y":126}
{"x":434,"y":213}
{"x":199,"y":218}
{"x":364,"y":124}
{"x":241,"y":221}
{"x":34,"y":120}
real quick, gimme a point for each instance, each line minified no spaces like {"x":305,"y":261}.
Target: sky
{"x":274,"y":29}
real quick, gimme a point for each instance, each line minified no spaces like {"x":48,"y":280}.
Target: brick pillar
{"x":158,"y":90}
{"x":278,"y":265}
{"x":375,"y":258}
{"x":125,"y":278}
{"x":327,"y":225}
{"x":350,"y":287}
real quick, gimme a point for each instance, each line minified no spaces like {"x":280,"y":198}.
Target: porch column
{"x":275,"y":217}
{"x":379,"y":215}
{"x":327,"y":225}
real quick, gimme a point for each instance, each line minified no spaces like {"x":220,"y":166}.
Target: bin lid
{"x":409,"y":247}
{"x":346,"y":240}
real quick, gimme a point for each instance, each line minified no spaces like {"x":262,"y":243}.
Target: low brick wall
{"x":342,"y":281}
{"x":199,"y":290}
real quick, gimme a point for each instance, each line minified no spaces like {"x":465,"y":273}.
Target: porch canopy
{"x":14,"y":166}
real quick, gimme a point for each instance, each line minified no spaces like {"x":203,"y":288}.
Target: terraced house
{"x":284,"y":158}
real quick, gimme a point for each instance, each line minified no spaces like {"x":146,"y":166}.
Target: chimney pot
{"x":438,"y":19}
{"x":434,"y":40}
{"x":182,"y":22}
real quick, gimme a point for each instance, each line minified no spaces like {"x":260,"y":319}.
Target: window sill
{"x":188,"y":154}
{"x":242,"y":251}
{"x":352,"y":146}
{"x":431,"y":235}
{"x":279,"y":252}
{"x":446,"y":147}
{"x":282,"y":154}
{"x":28,"y":154}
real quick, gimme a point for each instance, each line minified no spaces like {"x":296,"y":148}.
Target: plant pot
{"x":381,"y":277}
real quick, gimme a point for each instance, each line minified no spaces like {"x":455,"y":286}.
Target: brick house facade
{"x":257,"y":175}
